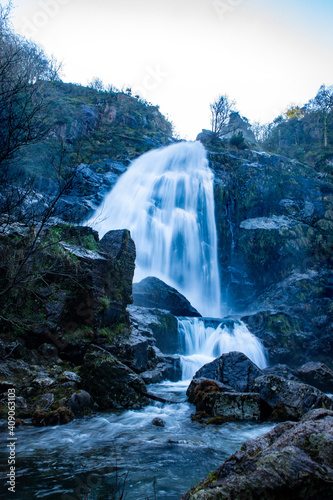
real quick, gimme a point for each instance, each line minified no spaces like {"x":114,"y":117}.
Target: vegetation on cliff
{"x":304,"y":132}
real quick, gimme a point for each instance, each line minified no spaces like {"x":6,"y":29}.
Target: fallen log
{"x":158,"y":398}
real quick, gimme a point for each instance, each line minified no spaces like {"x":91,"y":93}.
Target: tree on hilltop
{"x":220,"y":111}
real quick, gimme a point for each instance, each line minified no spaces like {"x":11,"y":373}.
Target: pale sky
{"x":180,"y":54}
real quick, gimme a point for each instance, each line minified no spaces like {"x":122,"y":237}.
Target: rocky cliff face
{"x":275,"y":229}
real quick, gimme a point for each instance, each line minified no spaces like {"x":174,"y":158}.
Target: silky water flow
{"x":166,"y":200}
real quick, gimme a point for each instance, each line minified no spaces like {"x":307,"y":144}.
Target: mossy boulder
{"x":112,"y":384}
{"x":60,"y":416}
{"x":293,"y":461}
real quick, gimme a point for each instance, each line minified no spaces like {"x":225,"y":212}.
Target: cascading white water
{"x":203,"y":343}
{"x":166,"y":200}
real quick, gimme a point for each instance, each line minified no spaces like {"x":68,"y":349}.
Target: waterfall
{"x":201,"y":344}
{"x":166,"y":200}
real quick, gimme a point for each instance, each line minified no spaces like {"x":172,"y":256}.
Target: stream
{"x":97,"y":457}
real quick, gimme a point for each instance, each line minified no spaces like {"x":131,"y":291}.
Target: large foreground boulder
{"x":112,"y":384}
{"x":279,"y":398}
{"x":294,"y":461}
{"x":154,"y":293}
{"x":234,"y":369}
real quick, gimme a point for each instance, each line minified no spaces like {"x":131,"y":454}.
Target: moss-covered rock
{"x":111,"y":384}
{"x":292,"y":461}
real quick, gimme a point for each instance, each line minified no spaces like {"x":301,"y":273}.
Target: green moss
{"x":82,"y":332}
{"x":281,"y":323}
{"x":216,"y":421}
{"x":104,"y":303}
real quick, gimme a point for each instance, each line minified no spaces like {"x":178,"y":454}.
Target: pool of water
{"x":114,"y":454}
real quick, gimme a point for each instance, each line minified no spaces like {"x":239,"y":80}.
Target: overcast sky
{"x":180,"y":54}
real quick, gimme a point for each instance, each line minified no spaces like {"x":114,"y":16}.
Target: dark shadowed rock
{"x":154,"y":293}
{"x":297,"y":398}
{"x":159,"y":422}
{"x":60,"y":416}
{"x":80,"y":403}
{"x":280,"y":370}
{"x":234,"y":369}
{"x":317,"y":374}
{"x":132,"y":351}
{"x":294,"y":461}
{"x":158,"y":324}
{"x":111,"y":384}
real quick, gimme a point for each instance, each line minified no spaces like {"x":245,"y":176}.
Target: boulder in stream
{"x":234,"y":369}
{"x":293,"y":461}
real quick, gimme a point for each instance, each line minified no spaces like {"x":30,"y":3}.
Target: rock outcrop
{"x":275,"y":231}
{"x":234,"y":388}
{"x":111,"y":384}
{"x":153,"y":293}
{"x":293,"y":461}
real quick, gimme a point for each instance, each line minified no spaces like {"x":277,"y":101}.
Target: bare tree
{"x":24,"y":68}
{"x":261,"y":131}
{"x":97,"y":84}
{"x":220,"y":112}
{"x":21,"y":263}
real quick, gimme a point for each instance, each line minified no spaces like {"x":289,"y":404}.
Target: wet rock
{"x":48,"y":350}
{"x":132,"y":351}
{"x":156,"y":324}
{"x":159,"y":422}
{"x":43,"y":381}
{"x":213,"y":399}
{"x":151,"y":292}
{"x":112,"y":384}
{"x":45,"y":401}
{"x":156,"y":375}
{"x":71,"y":377}
{"x":60,"y":416}
{"x":165,"y":332}
{"x":293,"y":461}
{"x":280,"y":370}
{"x":296,"y":397}
{"x":105,"y":276}
{"x":236,"y":406}
{"x":199,"y":385}
{"x":234,"y":369}
{"x":317,"y":374}
{"x":80,"y":403}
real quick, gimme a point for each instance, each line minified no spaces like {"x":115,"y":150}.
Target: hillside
{"x":93,"y":126}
